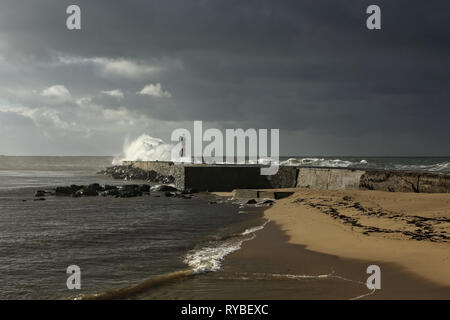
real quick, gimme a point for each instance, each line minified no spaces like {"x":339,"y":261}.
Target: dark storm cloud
{"x":310,"y":68}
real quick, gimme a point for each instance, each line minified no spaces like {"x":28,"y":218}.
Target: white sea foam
{"x":255,"y":229}
{"x":145,"y":148}
{"x":437,"y":167}
{"x":318,"y":162}
{"x":209,"y":258}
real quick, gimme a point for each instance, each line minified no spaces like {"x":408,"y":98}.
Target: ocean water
{"x":422,"y":164}
{"x":121,"y":243}
{"x":116,"y":242}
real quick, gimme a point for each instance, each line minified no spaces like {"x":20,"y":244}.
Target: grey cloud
{"x":310,"y":68}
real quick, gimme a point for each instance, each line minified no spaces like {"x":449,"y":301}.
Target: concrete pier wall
{"x":202,"y":177}
{"x":328,"y":179}
{"x":228,"y":178}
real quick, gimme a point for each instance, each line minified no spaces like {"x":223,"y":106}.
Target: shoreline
{"x":269,"y":267}
{"x":340,"y":278}
{"x":398,"y":219}
{"x":412,"y":267}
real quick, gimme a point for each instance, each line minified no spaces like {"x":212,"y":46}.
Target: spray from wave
{"x":148,"y":148}
{"x":436,"y":167}
{"x":145,"y":148}
{"x":321,"y":162}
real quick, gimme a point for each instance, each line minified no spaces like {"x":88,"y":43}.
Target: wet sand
{"x":308,"y":251}
{"x":408,"y":229}
{"x":269,"y":267}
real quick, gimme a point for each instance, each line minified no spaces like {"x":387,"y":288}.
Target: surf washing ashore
{"x":157,"y":244}
{"x":317,"y":244}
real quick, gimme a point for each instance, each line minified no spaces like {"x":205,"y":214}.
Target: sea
{"x":124,"y":243}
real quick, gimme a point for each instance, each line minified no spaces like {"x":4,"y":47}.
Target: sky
{"x":309,"y":68}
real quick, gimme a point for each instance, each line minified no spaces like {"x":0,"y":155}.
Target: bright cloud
{"x":114,"y":93}
{"x":57,"y":91}
{"x":155,"y":90}
{"x":114,"y":67}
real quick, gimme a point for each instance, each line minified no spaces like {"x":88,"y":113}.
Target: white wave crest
{"x":320,"y":162}
{"x":145,"y":148}
{"x":437,"y":167}
{"x":209,"y":258}
{"x":255,"y":229}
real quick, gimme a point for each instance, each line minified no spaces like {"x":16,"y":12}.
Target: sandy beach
{"x":406,"y":234}
{"x":409,"y":229}
{"x":318,"y":245}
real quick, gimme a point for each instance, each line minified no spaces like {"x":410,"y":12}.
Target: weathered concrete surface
{"x":328,"y":178}
{"x":202,"y":177}
{"x":400,"y":181}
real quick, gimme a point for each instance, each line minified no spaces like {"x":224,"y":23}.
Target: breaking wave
{"x":148,"y":148}
{"x":209,"y":258}
{"x":145,"y":148}
{"x":437,"y":167}
{"x":206,"y":259}
{"x":321,"y":162}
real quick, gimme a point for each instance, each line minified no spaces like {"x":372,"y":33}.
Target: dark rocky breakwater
{"x":122,"y":191}
{"x":129,"y":172}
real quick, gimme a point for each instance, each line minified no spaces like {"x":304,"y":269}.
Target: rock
{"x":113,"y":192}
{"x":164,"y":188}
{"x":40,"y":193}
{"x":169,"y":194}
{"x":109,"y":191}
{"x":251,"y":201}
{"x":189,"y":191}
{"x":91,"y":190}
{"x":95,"y":189}
{"x":67,"y":191}
{"x":131,"y":173}
{"x":130,"y":191}
{"x":152,"y":175}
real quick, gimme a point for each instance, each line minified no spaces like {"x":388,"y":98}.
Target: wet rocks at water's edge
{"x":131,"y":173}
{"x":122,"y":191}
{"x":126,"y":173}
{"x":95,"y":189}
